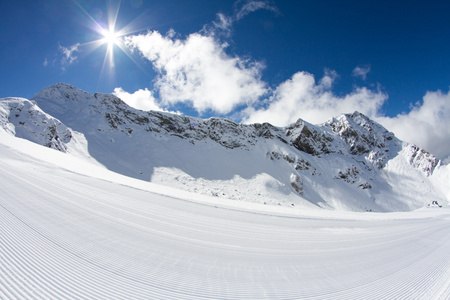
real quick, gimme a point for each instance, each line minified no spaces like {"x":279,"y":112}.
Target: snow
{"x":99,"y":200}
{"x":70,"y":228}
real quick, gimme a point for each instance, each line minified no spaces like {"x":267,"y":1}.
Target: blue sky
{"x":250,"y":61}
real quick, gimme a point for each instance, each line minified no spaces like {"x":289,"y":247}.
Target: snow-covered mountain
{"x":71,"y":228}
{"x":347,"y":163}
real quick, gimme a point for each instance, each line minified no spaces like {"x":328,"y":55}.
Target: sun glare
{"x":110,"y":37}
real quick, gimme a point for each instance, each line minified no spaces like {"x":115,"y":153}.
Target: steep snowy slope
{"x":70,"y":229}
{"x":24,"y":119}
{"x":347,"y":163}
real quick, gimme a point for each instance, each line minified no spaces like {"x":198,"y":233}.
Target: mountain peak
{"x":60,"y":99}
{"x":361,"y":134}
{"x":63,"y":92}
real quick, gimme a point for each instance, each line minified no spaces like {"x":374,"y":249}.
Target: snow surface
{"x":102,"y":201}
{"x":72,"y":229}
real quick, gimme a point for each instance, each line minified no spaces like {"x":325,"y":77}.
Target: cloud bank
{"x":301,"y":97}
{"x":197,"y":71}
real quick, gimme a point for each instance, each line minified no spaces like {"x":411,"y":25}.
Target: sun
{"x":110,"y":37}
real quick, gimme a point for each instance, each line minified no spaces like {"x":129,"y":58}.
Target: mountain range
{"x":347,"y":163}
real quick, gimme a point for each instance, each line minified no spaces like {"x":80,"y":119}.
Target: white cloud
{"x":68,"y":55}
{"x":198,"y":71}
{"x":241,"y":9}
{"x":301,"y":97}
{"x":141,"y":99}
{"x":251,"y":6}
{"x":361,"y":72}
{"x":327,"y":81}
{"x":223,"y":22}
{"x":426,"y":125}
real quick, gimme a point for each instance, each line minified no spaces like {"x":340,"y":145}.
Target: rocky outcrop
{"x":26,"y":120}
{"x":421,"y":159}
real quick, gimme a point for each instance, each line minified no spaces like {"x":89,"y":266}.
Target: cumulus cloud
{"x":68,"y":55}
{"x":141,"y":99}
{"x":301,"y":97}
{"x":426,"y":125}
{"x":198,"y":71}
{"x":361,"y":72}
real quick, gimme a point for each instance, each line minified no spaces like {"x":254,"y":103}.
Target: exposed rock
{"x":26,"y":120}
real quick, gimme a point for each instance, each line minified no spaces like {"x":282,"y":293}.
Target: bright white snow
{"x":70,"y":228}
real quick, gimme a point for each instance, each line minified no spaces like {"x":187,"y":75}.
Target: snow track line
{"x":24,"y":264}
{"x":68,"y":236}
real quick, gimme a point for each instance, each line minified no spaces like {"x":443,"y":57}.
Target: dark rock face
{"x":422,"y":160}
{"x":309,"y":138}
{"x":361,"y":134}
{"x":31,"y":123}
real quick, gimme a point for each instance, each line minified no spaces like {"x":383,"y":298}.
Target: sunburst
{"x":109,"y":35}
{"x":111,"y":38}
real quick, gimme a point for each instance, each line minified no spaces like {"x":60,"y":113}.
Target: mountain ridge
{"x":343,"y":163}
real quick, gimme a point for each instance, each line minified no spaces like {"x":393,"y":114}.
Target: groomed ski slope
{"x":73,"y":230}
